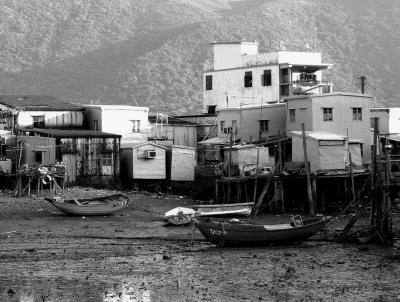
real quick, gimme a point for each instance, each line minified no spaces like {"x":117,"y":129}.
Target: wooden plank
{"x":265,"y":190}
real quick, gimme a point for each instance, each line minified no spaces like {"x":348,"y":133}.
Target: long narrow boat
{"x":104,"y":205}
{"x":234,"y":232}
{"x":231,"y":209}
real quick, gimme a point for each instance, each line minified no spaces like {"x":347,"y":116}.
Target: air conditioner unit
{"x":150,"y":154}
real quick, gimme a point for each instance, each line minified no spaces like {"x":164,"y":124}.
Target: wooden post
{"x":314,"y":192}
{"x":307,"y":168}
{"x":256,"y":179}
{"x":38,"y":186}
{"x":353,"y":194}
{"x":229,"y":164}
{"x":216,"y":190}
{"x":387,"y":208}
{"x":239,"y":191}
{"x":375,"y":172}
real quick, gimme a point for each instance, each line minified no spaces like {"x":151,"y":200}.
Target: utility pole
{"x":363,"y":79}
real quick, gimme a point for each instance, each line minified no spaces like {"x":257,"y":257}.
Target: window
{"x":285,"y":76}
{"x":264,"y":125}
{"x":266,"y":78}
{"x":328,"y":114}
{"x":211,"y":109}
{"x":285,"y":90}
{"x":326,"y":89}
{"x":135,"y":125}
{"x":248,"y":79}
{"x":38,"y":121}
{"x":209,"y":83}
{"x":292,"y":115}
{"x":357,"y":114}
{"x":39,"y":157}
{"x":222,"y":126}
{"x":95,"y":125}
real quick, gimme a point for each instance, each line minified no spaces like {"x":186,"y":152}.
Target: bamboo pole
{"x":307,"y":168}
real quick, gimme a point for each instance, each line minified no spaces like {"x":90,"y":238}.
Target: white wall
{"x":342,"y":104}
{"x":300,"y":58}
{"x":394,"y":120}
{"x":229,"y":55}
{"x":148,"y":168}
{"x":248,"y":121}
{"x":117,"y":119}
{"x":52,"y":118}
{"x":183,"y":162}
{"x":231,"y":83}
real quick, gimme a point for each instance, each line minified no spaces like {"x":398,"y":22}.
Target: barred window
{"x":328,"y":114}
{"x":248,"y":79}
{"x":266,"y":79}
{"x":209,"y":82}
{"x":357,"y":114}
{"x":264,"y":126}
{"x":292,"y":115}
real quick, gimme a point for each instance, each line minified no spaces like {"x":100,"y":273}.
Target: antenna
{"x":133,"y":98}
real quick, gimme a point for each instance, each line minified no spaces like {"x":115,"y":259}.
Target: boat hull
{"x":227,"y":234}
{"x":180,"y":216}
{"x":224,"y":210}
{"x":106,"y":205}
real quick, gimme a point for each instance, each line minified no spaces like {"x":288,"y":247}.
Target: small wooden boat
{"x":231,"y":209}
{"x":180,"y":215}
{"x":105,"y":205}
{"x":235,"y":232}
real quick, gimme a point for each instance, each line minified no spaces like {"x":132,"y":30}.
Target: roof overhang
{"x":308,"y":67}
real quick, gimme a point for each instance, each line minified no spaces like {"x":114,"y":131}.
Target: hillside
{"x":154,"y":51}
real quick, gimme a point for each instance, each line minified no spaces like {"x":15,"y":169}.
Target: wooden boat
{"x":105,"y":205}
{"x":235,"y":232}
{"x":231,"y":209}
{"x":179,"y":216}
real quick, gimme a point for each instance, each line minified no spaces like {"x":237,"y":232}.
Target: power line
{"x":386,"y":91}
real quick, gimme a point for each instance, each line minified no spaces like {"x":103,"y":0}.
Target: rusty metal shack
{"x":87,"y":154}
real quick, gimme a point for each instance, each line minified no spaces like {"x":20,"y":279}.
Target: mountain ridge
{"x":155,"y":52}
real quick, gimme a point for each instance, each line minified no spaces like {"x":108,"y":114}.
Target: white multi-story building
{"x":241,"y":76}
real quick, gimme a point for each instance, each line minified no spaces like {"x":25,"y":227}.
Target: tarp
{"x":356,"y":157}
{"x":332,"y":157}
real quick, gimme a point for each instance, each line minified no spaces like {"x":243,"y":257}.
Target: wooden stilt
{"x":246,"y":192}
{"x":239,"y":191}
{"x":216,"y":190}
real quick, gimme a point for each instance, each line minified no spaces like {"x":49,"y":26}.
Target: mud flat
{"x":135,"y":256}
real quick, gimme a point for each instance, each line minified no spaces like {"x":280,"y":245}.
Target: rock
{"x":166,"y":257}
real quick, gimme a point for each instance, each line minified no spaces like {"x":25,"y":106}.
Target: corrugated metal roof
{"x":62,"y":133}
{"x":134,"y":146}
{"x":37,"y":103}
{"x":117,"y":107}
{"x":320,"y":135}
{"x":172,"y":121}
